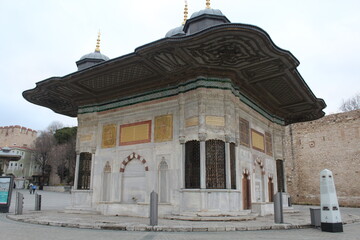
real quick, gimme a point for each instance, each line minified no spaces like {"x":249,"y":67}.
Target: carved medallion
{"x":109,"y":136}
{"x":163,"y":128}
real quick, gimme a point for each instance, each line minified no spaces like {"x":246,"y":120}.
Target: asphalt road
{"x":23,"y":231}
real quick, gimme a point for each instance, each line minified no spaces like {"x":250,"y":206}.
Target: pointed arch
{"x":163,"y":181}
{"x":131,"y":157}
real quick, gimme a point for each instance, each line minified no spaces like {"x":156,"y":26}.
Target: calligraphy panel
{"x":215,"y":121}
{"x":135,"y":133}
{"x":257,"y":140}
{"x":109,"y":136}
{"x":163,"y":128}
{"x":190,"y":122}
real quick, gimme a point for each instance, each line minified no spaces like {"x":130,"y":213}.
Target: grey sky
{"x":42,"y":38}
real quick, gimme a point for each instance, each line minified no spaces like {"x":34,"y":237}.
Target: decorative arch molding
{"x":260,"y":162}
{"x":131,"y":157}
{"x":163,"y":164}
{"x":107,"y":167}
{"x":246,"y":172}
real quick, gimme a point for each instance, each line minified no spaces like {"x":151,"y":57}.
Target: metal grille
{"x":215,"y":164}
{"x":280,"y":175}
{"x":232,"y":166}
{"x":244,"y":132}
{"x":268,"y":144}
{"x":84,"y":171}
{"x":192,"y":164}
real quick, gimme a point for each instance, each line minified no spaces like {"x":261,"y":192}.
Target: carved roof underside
{"x":243,"y":53}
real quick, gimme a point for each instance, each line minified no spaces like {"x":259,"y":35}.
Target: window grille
{"x":232,"y":166}
{"x":268,"y":144}
{"x":84,"y":171}
{"x":215,"y":164}
{"x":244,"y":132}
{"x":192,"y":164}
{"x":280,"y":175}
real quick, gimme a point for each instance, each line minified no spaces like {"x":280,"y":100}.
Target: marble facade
{"x":149,"y":154}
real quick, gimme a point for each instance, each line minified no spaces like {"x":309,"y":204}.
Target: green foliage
{"x":65,"y":134}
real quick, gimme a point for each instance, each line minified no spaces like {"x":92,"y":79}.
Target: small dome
{"x":178,"y":31}
{"x":95,"y":55}
{"x":209,"y":11}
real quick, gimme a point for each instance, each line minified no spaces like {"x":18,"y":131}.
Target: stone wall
{"x":17,"y":136}
{"x":332,"y":142}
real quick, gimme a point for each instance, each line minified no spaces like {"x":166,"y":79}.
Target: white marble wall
{"x":127,"y":193}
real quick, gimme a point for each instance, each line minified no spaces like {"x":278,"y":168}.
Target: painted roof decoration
{"x":212,"y":52}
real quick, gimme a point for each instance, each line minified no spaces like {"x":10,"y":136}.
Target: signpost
{"x":6,"y":187}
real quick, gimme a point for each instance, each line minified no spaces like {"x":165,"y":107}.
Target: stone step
{"x":213,"y":216}
{"x":80,"y":211}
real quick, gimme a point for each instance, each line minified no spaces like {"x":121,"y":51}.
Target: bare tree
{"x":352,"y":103}
{"x":54,"y":126}
{"x":43,"y":147}
{"x":63,"y":157}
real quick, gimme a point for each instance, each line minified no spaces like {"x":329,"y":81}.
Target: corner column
{"x":93,"y":150}
{"x":227,"y":162}
{"x":202,"y":138}
{"x":76,"y":180}
{"x":182,"y":142}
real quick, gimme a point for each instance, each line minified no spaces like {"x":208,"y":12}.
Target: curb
{"x":159,"y":228}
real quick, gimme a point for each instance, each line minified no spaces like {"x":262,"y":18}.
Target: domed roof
{"x":209,"y":11}
{"x":178,"y":31}
{"x":95,"y":55}
{"x":93,"y":58}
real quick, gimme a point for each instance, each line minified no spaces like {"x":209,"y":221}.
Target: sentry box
{"x":6,"y":187}
{"x":330,"y":212}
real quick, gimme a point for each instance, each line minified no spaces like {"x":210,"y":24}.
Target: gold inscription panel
{"x":86,"y":138}
{"x":257,"y":140}
{"x":215,"y":121}
{"x":163,"y":128}
{"x":190,"y":122}
{"x":109,"y":136}
{"x":135,"y":133}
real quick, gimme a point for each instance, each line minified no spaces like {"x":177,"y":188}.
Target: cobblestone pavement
{"x":79,"y":223}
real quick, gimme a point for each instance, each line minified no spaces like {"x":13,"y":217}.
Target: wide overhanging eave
{"x":243,"y":53}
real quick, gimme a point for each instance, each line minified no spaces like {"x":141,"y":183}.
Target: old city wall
{"x":19,"y":136}
{"x":332,"y":142}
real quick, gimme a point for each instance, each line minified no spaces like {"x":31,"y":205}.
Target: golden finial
{"x":208,"y":4}
{"x":185,"y":12}
{"x":97,"y":49}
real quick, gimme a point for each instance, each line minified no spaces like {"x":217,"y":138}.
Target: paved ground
{"x":52,"y":202}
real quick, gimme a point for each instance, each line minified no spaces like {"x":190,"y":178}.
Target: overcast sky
{"x":43,"y":38}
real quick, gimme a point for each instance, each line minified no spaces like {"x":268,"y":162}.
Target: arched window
{"x":246,"y":190}
{"x":106,"y":182}
{"x":271,"y":189}
{"x":192,"y":164}
{"x":215,"y":164}
{"x":163,"y":182}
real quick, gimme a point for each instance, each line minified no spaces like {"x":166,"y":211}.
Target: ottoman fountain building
{"x":197,"y":116}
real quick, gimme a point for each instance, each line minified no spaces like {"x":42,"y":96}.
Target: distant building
{"x":16,"y":154}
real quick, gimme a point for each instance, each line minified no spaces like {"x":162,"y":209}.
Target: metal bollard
{"x":153,"y":208}
{"x":19,"y":204}
{"x":278,"y":208}
{"x":37,"y":202}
